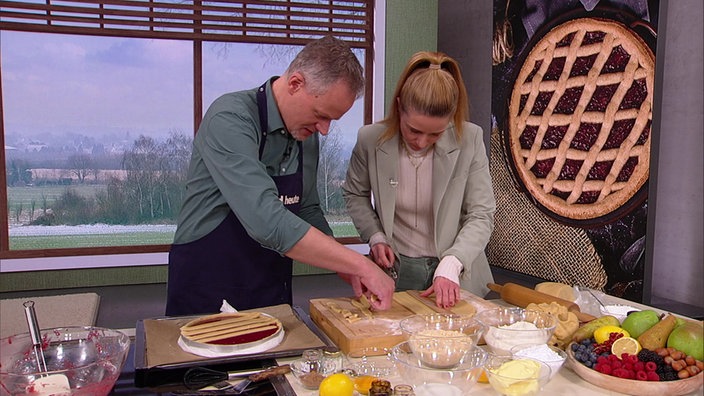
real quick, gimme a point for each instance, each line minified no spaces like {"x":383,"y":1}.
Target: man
{"x":251,"y":203}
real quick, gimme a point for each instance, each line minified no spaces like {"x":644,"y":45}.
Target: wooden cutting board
{"x":380,"y":329}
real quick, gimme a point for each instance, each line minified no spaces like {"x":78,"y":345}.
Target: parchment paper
{"x":161,"y":336}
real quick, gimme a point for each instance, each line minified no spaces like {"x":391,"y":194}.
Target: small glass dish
{"x":371,"y":361}
{"x":516,"y":376}
{"x":548,"y":354}
{"x":311,"y":373}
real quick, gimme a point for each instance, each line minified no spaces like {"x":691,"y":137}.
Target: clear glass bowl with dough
{"x":425,"y":380}
{"x":508,"y":327}
{"x":442,"y":341}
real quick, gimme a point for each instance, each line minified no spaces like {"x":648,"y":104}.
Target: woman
{"x":418,"y":187}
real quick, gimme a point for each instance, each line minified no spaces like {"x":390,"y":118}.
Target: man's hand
{"x":447,"y":292}
{"x":374,"y":287}
{"x":379,"y":288}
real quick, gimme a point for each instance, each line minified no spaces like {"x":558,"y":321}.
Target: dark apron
{"x":227,"y":263}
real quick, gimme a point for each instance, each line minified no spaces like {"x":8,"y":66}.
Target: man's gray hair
{"x":325,"y":61}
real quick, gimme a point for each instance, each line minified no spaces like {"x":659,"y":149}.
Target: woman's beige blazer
{"x":463,"y":198}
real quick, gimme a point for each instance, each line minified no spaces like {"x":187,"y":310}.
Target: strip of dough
{"x":217,"y":320}
{"x":229,"y":327}
{"x":363,"y":306}
{"x":238,"y":333}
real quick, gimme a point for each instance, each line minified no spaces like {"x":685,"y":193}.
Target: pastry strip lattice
{"x":531,"y":84}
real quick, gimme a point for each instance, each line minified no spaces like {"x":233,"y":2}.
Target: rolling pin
{"x":521,"y":296}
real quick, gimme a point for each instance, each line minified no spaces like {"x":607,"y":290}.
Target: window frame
{"x":291,"y":22}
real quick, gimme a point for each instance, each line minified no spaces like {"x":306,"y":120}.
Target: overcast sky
{"x":93,"y":85}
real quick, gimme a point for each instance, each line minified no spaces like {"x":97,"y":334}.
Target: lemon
{"x":627,"y":345}
{"x":338,"y":384}
{"x":602,"y":333}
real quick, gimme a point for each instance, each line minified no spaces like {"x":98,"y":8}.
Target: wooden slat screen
{"x":265,"y":21}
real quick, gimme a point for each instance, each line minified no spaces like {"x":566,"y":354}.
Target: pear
{"x":587,"y":330}
{"x":636,"y":323}
{"x":656,"y":336}
{"x":688,"y":338}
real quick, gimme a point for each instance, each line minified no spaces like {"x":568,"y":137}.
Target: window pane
{"x":97,"y":134}
{"x":231,"y":67}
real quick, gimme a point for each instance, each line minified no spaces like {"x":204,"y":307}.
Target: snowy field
{"x":88,"y":229}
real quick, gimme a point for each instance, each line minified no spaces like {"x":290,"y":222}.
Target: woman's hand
{"x":383,"y":255}
{"x":447,"y":292}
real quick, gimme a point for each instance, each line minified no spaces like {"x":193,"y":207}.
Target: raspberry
{"x":624,"y":357}
{"x":602,"y":359}
{"x":606,"y":369}
{"x":641,"y":375}
{"x":639,"y":366}
{"x":621,"y":373}
{"x":651,"y":366}
{"x":652,"y":375}
{"x":633,"y":359}
{"x":628,"y":366}
{"x":616,"y":364}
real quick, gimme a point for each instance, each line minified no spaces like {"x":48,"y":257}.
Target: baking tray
{"x":171,"y":374}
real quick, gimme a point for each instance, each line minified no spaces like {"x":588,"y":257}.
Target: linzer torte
{"x":580,"y":117}
{"x":232,"y":329}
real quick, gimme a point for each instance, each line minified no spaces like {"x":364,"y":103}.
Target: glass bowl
{"x":427,"y":380}
{"x":441,"y":340}
{"x":548,"y":354}
{"x":87,"y":360}
{"x":516,"y":376}
{"x":311,"y":374}
{"x":508,"y":327}
{"x":371,"y":361}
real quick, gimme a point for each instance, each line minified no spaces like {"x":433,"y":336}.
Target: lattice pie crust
{"x":579,"y":118}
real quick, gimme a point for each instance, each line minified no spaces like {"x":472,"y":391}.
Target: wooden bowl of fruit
{"x":638,"y":377}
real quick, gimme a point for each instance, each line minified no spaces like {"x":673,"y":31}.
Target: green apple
{"x":636,"y":323}
{"x":688,"y":338}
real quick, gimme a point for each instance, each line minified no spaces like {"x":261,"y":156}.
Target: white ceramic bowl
{"x":90,"y":358}
{"x":458,"y":380}
{"x":619,"y":311}
{"x":506,"y":383}
{"x":548,"y":354}
{"x":502,"y":332}
{"x":441,"y":340}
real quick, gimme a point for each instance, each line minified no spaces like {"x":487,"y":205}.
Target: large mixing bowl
{"x":88,"y":360}
{"x":441,"y":340}
{"x":430,"y":381}
{"x":508,"y":327}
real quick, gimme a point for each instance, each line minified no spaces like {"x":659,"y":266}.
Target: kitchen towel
{"x":52,"y":311}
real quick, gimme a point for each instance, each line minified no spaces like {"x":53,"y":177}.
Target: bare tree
{"x":80,"y":165}
{"x":330,"y":170}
